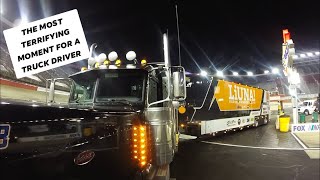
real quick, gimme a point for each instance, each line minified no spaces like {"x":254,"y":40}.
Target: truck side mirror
{"x":179,"y":84}
{"x":51,"y":91}
{"x":58,"y":90}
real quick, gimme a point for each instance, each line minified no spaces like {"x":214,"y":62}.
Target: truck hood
{"x":46,"y":134}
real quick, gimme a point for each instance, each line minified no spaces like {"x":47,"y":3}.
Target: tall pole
{"x":166,"y":50}
{"x":178,"y":30}
{"x":293,"y":76}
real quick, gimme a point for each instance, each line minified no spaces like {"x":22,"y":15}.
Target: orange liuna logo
{"x":231,"y":96}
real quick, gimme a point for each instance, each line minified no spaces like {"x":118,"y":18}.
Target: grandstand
{"x":308,"y":69}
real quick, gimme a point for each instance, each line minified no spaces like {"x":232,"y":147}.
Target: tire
{"x":265,"y":121}
{"x":306,"y":112}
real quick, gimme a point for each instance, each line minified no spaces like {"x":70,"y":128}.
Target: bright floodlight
{"x":266,"y":72}
{"x":310,"y":54}
{"x":291,"y":92}
{"x":295,"y":56}
{"x":235,"y":73}
{"x":275,"y":70}
{"x":131,"y":55}
{"x":220,"y":73}
{"x":112,"y":56}
{"x":295,"y":78}
{"x":102,"y":57}
{"x":317,"y":53}
{"x":302,"y":55}
{"x":250,"y":73}
{"x":203,"y":73}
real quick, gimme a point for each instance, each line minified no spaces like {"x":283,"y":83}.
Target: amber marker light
{"x":140,"y":146}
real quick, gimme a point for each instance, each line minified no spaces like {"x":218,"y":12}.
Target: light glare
{"x":310,"y":54}
{"x":19,"y":22}
{"x":295,"y":56}
{"x":220,"y":73}
{"x":275,"y":70}
{"x":203,"y":73}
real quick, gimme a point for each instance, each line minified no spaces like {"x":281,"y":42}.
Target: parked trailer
{"x":215,"y":105}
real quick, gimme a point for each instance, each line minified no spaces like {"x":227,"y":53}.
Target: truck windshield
{"x":83,"y":90}
{"x":121,"y":87}
{"x":305,"y":103}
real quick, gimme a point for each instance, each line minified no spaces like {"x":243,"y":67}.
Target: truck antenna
{"x":178,"y":32}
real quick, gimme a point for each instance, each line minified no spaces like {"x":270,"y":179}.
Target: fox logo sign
{"x":309,"y":127}
{"x":299,"y":128}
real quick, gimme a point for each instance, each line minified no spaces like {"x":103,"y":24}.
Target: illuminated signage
{"x":232,"y":96}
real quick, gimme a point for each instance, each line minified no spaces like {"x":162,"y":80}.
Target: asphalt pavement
{"x":255,"y":153}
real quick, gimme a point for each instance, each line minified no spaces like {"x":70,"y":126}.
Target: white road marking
{"x":301,"y":143}
{"x":187,"y":137}
{"x":313,"y":154}
{"x":257,"y":147}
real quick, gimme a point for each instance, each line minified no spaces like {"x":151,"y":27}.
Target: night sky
{"x":223,"y":34}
